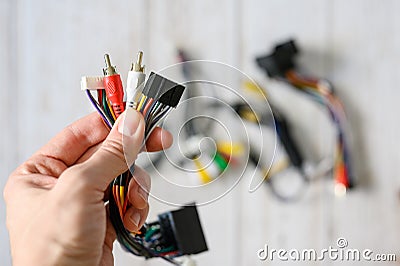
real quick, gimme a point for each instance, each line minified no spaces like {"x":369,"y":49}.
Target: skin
{"x":55,"y":200}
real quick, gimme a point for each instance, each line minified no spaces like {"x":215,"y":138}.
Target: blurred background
{"x":46,"y":46}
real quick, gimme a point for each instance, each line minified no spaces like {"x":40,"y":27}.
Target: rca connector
{"x":135,"y":82}
{"x":113,"y":87}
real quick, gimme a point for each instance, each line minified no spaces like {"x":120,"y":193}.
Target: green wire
{"x":150,"y":233}
{"x":221,"y":163}
{"x":168,"y":249}
{"x":106,"y":109}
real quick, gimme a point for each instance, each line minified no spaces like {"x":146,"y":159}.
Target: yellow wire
{"x":254,"y":87}
{"x":121,"y":194}
{"x":204,"y":176}
{"x":136,"y":101}
{"x":111,"y":110}
{"x":230,"y":148}
{"x":276,"y":168}
{"x":141,"y":102}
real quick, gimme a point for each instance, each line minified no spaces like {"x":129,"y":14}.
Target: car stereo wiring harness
{"x":210,"y":164}
{"x":293,"y":156}
{"x":154,"y":98}
{"x":280,"y":64}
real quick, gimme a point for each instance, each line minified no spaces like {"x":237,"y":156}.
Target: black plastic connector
{"x":280,"y":61}
{"x":163,"y":90}
{"x":182,"y":228}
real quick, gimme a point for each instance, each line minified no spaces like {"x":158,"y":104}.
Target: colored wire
{"x":97,"y":107}
{"x":323,"y":93}
{"x":153,"y":112}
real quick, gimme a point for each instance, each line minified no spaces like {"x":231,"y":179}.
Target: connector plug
{"x":135,"y":81}
{"x":113,"y":87}
{"x":163,"y":90}
{"x":183,"y":228}
{"x":92,"y":83}
{"x":280,"y":61}
{"x":109,"y":70}
{"x":137,"y":66}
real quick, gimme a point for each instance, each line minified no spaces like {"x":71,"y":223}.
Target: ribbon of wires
{"x":153,"y":112}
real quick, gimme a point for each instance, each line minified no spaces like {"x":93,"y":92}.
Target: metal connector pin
{"x":137,"y":66}
{"x":109,"y":70}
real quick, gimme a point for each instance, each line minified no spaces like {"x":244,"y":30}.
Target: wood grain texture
{"x":46,"y":46}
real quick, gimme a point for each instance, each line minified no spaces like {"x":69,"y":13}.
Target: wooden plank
{"x":265,"y":220}
{"x":366,"y":62}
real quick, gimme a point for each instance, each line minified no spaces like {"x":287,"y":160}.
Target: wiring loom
{"x":280,"y":65}
{"x":223,"y":156}
{"x":279,"y":122}
{"x":154,"y":100}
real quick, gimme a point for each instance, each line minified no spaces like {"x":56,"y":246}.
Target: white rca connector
{"x":135,"y":82}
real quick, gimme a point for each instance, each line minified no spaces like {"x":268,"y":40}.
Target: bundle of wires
{"x":292,"y":159}
{"x":322,"y":92}
{"x":280,"y":65}
{"x":213,"y":164}
{"x":154,"y":100}
{"x":154,"y":239}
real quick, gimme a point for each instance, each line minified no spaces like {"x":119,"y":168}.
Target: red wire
{"x":100,"y":97}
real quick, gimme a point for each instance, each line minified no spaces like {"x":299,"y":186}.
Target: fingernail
{"x":129,"y":123}
{"x":143,"y":194}
{"x":135,"y":218}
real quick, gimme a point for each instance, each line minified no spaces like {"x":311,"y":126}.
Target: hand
{"x":55,"y":200}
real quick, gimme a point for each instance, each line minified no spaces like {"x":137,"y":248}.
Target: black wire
{"x":290,"y":198}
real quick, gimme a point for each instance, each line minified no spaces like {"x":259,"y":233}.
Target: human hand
{"x":55,"y":200}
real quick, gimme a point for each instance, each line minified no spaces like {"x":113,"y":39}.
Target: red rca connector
{"x":341,"y":179}
{"x":113,"y":87}
{"x":341,"y":176}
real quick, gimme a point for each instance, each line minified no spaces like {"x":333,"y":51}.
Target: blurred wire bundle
{"x":280,"y":64}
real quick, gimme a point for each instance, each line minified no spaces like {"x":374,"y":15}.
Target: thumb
{"x":118,"y":151}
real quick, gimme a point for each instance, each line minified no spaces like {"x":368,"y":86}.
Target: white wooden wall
{"x":45,"y":47}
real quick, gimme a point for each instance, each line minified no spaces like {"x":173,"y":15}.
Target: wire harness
{"x":210,"y":164}
{"x":175,"y":233}
{"x":154,"y":99}
{"x":279,"y":122}
{"x":280,"y":64}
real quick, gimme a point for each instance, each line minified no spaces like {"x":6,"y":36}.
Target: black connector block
{"x":163,"y":90}
{"x":182,"y":228}
{"x":280,"y":61}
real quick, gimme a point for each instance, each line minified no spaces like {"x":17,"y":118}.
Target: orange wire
{"x":297,"y":80}
{"x":117,"y":200}
{"x":125,"y":205}
{"x":146,"y":108}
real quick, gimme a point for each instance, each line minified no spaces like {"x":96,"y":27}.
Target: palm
{"x":38,"y":187}
{"x":47,"y":201}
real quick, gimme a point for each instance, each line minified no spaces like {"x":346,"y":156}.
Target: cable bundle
{"x":273,"y":118}
{"x":321,"y":91}
{"x":210,"y":164}
{"x":280,"y":65}
{"x":154,"y":99}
